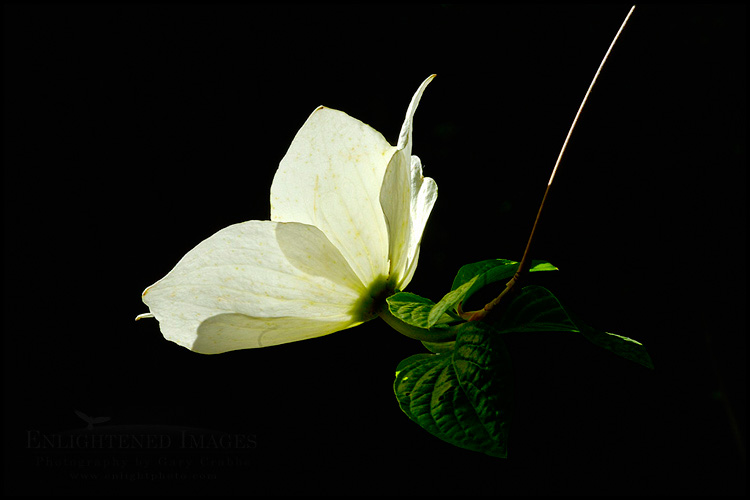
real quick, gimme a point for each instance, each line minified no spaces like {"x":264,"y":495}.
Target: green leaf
{"x":541,"y":265}
{"x":415,"y":310}
{"x":415,"y":358}
{"x":622,"y":346}
{"x":450,"y":300}
{"x":470,"y":271}
{"x":472,"y":277}
{"x":463,"y":396}
{"x":439,"y":347}
{"x":536,"y":309}
{"x":503,"y":268}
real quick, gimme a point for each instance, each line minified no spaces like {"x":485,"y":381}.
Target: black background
{"x":131,"y":133}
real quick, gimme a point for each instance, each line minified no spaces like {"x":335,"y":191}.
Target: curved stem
{"x":509,"y":287}
{"x":523,"y":265}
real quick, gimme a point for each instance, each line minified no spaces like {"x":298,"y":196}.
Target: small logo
{"x":90,"y":421}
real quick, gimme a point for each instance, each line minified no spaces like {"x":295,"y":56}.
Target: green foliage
{"x":463,"y":396}
{"x":537,"y":310}
{"x":424,"y":313}
{"x":416,"y":311}
{"x":461,"y":391}
{"x":473,"y":277}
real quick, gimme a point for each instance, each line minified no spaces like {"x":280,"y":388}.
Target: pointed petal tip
{"x":423,"y":86}
{"x":405,"y":134}
{"x":144,"y":316}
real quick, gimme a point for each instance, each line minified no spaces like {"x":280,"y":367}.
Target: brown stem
{"x":524,"y":264}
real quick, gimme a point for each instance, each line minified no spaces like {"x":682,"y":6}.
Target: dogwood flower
{"x":347,"y":215}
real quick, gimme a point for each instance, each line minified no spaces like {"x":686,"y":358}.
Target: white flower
{"x":347,"y":215}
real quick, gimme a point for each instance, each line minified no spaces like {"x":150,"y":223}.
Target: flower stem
{"x":523,"y":265}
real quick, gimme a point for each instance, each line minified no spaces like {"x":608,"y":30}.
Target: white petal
{"x":404,"y":138}
{"x":277,"y":282}
{"x":407,"y":199}
{"x":331,"y":178}
{"x":232,"y":331}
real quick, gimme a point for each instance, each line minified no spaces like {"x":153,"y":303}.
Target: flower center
{"x":373,"y":300}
